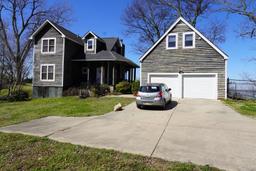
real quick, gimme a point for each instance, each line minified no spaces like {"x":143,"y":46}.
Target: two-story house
{"x":62,"y":59}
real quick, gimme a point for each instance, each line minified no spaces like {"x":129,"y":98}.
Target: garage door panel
{"x":171,"y":81}
{"x":200,"y":86}
{"x":188,"y":85}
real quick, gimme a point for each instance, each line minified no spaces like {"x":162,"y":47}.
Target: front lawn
{"x":26,"y":87}
{"x":15,"y":112}
{"x":245,"y":107}
{"x":20,"y":152}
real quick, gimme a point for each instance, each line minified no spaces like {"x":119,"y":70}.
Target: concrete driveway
{"x":200,"y":131}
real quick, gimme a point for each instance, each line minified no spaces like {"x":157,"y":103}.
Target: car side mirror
{"x":169,"y":89}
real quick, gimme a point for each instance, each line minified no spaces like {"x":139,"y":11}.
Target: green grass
{"x":26,"y":87}
{"x":20,"y":152}
{"x":15,"y":112}
{"x":245,"y":107}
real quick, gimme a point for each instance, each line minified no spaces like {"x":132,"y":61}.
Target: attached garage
{"x":191,"y":85}
{"x":190,"y":64}
{"x":171,"y":80}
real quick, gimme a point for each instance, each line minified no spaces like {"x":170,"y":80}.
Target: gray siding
{"x":47,"y":92}
{"x":71,"y":52}
{"x":40,"y":58}
{"x":201,"y":59}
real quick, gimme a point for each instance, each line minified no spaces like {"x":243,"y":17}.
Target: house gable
{"x":55,"y":58}
{"x":203,"y":58}
{"x":182,"y":21}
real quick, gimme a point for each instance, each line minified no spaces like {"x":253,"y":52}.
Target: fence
{"x":241,"y":89}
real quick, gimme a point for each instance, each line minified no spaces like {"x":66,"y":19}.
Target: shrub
{"x":72,"y":91}
{"x":135,"y":86}
{"x":84,"y":93}
{"x":123,"y":87}
{"x":100,"y":90}
{"x":16,"y":96}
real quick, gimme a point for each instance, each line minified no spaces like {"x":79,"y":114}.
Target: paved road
{"x":200,"y":131}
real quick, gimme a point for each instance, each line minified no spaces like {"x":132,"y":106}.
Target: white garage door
{"x":172,"y":81}
{"x":200,"y":86}
{"x":188,"y":85}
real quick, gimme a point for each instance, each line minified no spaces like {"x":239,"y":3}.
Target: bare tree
{"x":189,"y":9}
{"x":247,"y":9}
{"x":18,"y":20}
{"x":149,"y":19}
{"x":215,"y":31}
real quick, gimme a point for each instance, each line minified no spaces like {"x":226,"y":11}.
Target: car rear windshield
{"x":149,"y":89}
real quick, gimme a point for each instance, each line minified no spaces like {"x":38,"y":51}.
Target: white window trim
{"x":176,"y":39}
{"x":194,"y":40}
{"x":47,"y":65}
{"x":48,"y":38}
{"x":92,"y":45}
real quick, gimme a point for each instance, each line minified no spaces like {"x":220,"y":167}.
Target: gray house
{"x":184,"y":59}
{"x":62,"y":59}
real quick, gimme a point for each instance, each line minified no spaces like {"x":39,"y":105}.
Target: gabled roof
{"x":110,"y":42}
{"x":92,"y":33}
{"x":192,"y":28}
{"x":64,"y":32}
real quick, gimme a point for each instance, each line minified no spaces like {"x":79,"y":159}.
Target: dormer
{"x":115,"y":44}
{"x":119,"y":47}
{"x":93,"y":43}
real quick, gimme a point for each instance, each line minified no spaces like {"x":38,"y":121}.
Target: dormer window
{"x":189,"y":40}
{"x":172,"y":41}
{"x":90,"y":44}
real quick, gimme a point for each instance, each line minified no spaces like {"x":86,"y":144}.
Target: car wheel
{"x":164,"y":105}
{"x":139,"y":106}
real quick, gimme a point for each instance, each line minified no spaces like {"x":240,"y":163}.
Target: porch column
{"x":128,"y":75}
{"x":101,"y":74}
{"x":88,"y":75}
{"x":108,"y":74}
{"x":131,"y":71}
{"x":134,"y":74}
{"x":113,"y":75}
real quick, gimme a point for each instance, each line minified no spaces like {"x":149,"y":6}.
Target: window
{"x":48,"y":45}
{"x":90,"y":44}
{"x":172,"y":41}
{"x":149,"y":89}
{"x":189,"y":40}
{"x":47,"y":72}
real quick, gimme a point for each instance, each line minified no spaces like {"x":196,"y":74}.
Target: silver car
{"x":154,"y":94}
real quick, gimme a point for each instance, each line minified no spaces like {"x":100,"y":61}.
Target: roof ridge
{"x":64,"y":28}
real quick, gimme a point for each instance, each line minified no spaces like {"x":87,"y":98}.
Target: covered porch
{"x":103,"y":72}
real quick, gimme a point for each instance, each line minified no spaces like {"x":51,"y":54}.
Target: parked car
{"x":154,"y":94}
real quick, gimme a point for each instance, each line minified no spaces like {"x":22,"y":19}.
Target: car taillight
{"x":160,"y":94}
